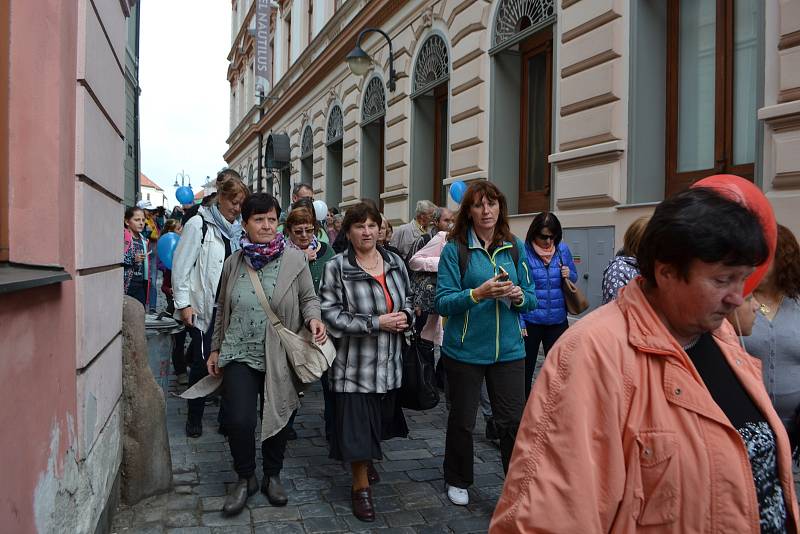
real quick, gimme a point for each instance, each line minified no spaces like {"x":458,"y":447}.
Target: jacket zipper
{"x":497,"y":307}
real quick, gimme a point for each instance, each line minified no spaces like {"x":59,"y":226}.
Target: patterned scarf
{"x":313,"y":246}
{"x":258,"y":255}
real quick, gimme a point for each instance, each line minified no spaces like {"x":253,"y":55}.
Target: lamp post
{"x":184,"y":177}
{"x":359,"y":61}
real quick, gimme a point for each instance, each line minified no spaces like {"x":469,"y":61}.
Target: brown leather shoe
{"x":362,"y":505}
{"x":372,"y":475}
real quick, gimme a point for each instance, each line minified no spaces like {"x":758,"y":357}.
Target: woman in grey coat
{"x":366,"y":304}
{"x":245,"y":348}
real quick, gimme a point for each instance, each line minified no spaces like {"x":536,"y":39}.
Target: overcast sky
{"x":185,"y":96}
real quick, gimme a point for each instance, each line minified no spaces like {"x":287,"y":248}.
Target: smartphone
{"x":503,"y":274}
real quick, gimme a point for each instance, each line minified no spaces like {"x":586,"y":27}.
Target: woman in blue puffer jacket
{"x":549,"y":261}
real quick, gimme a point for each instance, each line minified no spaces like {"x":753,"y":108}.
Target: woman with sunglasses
{"x":550,"y":261}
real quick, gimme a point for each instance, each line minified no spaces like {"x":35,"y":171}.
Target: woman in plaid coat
{"x":366,"y":305}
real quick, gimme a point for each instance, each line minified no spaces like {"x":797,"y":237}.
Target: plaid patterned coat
{"x":368,"y":360}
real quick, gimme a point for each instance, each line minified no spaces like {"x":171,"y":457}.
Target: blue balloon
{"x":166,"y":248}
{"x":184,"y":194}
{"x":457,"y":190}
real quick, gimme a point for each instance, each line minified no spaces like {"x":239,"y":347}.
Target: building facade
{"x":132,"y":92}
{"x":594,"y":109}
{"x":152,"y":192}
{"x":62,"y":113}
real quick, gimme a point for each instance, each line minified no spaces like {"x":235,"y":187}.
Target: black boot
{"x":274,"y":490}
{"x":194,"y":430}
{"x":237,"y":498}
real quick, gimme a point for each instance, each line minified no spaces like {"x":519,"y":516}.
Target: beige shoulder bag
{"x":308,"y":359}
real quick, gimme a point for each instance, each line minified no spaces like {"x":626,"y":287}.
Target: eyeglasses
{"x":544,"y":237}
{"x":303,"y":231}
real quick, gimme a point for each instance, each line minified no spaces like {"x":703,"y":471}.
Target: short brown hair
{"x":359,"y":214}
{"x":474,"y":194}
{"x":633,"y":236}
{"x":786,"y":266}
{"x":300,"y":216}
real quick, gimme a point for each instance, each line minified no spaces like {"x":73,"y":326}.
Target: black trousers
{"x":504,"y":381}
{"x":137,"y":288}
{"x":330,"y":407}
{"x":201,"y":348}
{"x":179,"y":352}
{"x":241,"y":389}
{"x":545,"y":334}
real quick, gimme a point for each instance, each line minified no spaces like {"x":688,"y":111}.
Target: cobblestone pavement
{"x":410,"y":497}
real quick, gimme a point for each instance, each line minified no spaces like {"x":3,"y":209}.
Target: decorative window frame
{"x":426,"y":58}
{"x":372,"y":113}
{"x":307,"y":142}
{"x":507,"y":16}
{"x":334,"y":128}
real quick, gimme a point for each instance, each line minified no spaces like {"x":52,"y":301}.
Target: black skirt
{"x":363,"y":420}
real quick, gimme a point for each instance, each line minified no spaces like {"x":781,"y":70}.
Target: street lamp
{"x":359,"y":61}
{"x":184,"y":177}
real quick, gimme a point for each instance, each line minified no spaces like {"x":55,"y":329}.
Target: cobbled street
{"x":410,"y":497}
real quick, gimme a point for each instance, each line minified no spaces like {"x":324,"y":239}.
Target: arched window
{"x":373,"y":111}
{"x":521,"y":102}
{"x":333,"y":160}
{"x":307,"y":156}
{"x":430,"y":122}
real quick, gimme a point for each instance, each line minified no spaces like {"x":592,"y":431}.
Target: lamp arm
{"x":392,"y":73}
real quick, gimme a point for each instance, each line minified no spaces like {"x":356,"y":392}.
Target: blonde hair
{"x":633,"y":236}
{"x":231,"y":186}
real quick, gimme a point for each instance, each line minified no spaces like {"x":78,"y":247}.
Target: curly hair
{"x":786,"y":266}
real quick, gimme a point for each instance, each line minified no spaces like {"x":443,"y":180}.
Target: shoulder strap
{"x":515,"y":252}
{"x":463,"y":258}
{"x":262,"y":297}
{"x":204,"y":230}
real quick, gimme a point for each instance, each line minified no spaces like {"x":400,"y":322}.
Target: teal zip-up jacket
{"x":489,"y":331}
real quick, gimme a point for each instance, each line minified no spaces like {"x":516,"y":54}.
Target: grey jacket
{"x":295,"y":303}
{"x":405,"y":236}
{"x":368,"y":359}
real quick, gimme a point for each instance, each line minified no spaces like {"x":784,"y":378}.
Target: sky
{"x":185,"y":97}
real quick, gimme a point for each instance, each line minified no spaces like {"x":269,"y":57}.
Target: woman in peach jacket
{"x":648,"y":416}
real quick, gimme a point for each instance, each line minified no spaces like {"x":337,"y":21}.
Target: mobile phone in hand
{"x":503,"y":274}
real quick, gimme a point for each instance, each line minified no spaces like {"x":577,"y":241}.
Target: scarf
{"x":313,"y":246}
{"x":545,"y":253}
{"x":228,"y":229}
{"x":258,"y":255}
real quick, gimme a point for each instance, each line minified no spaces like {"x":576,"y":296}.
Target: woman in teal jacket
{"x":483,"y":285}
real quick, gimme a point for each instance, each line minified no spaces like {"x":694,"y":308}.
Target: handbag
{"x":307,"y":359}
{"x":418,"y":391}
{"x":574,"y":298}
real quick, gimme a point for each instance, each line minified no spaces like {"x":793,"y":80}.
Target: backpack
{"x":423,"y":283}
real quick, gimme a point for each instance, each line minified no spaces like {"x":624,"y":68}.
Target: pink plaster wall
{"x":37,"y":327}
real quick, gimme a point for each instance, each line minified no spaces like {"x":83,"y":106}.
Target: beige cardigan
{"x":295,"y":303}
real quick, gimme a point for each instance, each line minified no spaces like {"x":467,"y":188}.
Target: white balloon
{"x":320,"y":210}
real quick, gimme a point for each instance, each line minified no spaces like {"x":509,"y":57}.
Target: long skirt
{"x":362,"y":421}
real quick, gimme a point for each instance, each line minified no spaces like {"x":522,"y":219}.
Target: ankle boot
{"x":237,"y":498}
{"x":363,"y":508}
{"x":274,"y":490}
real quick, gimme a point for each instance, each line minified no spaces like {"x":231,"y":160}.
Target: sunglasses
{"x":303,"y":231}
{"x":544,"y":237}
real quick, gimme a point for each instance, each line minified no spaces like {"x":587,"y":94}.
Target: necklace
{"x":766,"y":309}
{"x":691,"y":344}
{"x":373,"y":267}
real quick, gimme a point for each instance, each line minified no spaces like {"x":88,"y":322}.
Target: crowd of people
{"x":651,"y":413}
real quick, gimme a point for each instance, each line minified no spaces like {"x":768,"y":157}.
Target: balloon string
{"x":739,"y":329}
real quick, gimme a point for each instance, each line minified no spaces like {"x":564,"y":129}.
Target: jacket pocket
{"x":658,"y":489}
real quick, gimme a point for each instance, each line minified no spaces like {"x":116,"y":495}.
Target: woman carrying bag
{"x":550,"y":263}
{"x":367,"y":307}
{"x":246,"y":350}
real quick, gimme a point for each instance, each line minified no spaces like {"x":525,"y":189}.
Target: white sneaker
{"x":458,"y":496}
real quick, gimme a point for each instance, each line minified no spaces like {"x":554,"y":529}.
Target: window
{"x":536,"y":56}
{"x":712,"y":65}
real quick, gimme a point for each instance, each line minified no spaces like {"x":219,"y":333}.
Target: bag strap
{"x":262,"y":297}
